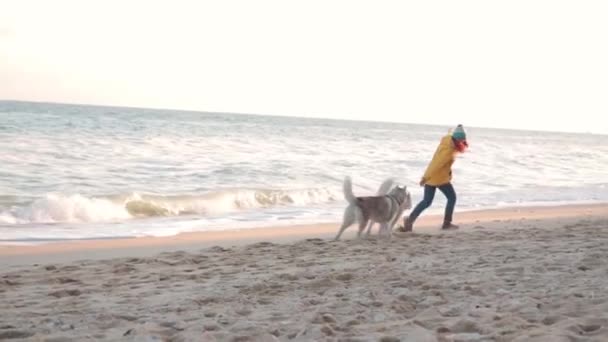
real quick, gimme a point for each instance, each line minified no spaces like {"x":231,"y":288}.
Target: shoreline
{"x":69,"y":251}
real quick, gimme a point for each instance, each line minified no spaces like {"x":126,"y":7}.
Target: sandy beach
{"x":180,"y":171}
{"x":523,"y":274}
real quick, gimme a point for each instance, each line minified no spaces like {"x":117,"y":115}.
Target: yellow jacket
{"x":439,"y":171}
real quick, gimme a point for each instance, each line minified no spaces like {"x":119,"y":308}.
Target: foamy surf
{"x":57,"y":208}
{"x":61,"y":208}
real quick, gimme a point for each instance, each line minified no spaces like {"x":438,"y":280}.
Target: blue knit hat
{"x":459,"y":133}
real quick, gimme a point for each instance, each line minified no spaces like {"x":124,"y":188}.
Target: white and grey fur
{"x":384,"y":209}
{"x":384,"y":188}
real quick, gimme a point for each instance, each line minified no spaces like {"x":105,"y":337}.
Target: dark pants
{"x":429,"y":194}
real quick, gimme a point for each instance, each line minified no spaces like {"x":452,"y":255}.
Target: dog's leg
{"x":349,"y":219}
{"x":383,"y":228}
{"x":393,"y":223}
{"x":369,"y":228}
{"x":362,"y":224}
{"x":342,"y":229}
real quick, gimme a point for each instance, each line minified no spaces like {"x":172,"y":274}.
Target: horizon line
{"x":301,"y":117}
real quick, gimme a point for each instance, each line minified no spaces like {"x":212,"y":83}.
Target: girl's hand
{"x":422,"y":181}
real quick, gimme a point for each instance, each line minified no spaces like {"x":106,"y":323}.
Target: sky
{"x":529,"y":64}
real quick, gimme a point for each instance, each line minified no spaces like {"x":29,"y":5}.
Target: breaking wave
{"x":78,"y":208}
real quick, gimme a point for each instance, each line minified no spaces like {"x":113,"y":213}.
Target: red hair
{"x":461,"y":145}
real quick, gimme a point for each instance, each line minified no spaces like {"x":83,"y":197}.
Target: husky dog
{"x":384,"y":188}
{"x":384,"y":209}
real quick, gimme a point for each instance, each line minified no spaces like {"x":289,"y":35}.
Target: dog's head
{"x":402,"y":196}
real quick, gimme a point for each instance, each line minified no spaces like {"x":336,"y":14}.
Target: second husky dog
{"x":384,"y":188}
{"x":384,"y":209}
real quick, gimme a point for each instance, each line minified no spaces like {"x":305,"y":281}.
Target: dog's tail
{"x":347,"y":187}
{"x":385,"y":187}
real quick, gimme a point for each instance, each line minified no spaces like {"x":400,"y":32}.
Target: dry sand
{"x":533,"y":274}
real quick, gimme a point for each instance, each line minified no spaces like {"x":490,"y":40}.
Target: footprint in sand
{"x":15,"y":334}
{"x":389,"y":339}
{"x":65,"y":293}
{"x":585,"y":329}
{"x":288,"y":277}
{"x":65,"y":280}
{"x":345,"y":277}
{"x":466,"y":326}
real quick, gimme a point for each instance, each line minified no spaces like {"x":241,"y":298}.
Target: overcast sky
{"x":509,"y":64}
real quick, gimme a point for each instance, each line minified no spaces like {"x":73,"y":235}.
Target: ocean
{"x":71,"y":172}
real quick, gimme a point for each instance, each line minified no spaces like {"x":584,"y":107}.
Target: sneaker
{"x":448,"y":225}
{"x":407,"y":226}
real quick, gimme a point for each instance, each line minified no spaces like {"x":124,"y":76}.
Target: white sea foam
{"x":55,"y":208}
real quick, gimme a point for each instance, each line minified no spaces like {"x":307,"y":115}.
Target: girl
{"x":438,"y":175}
